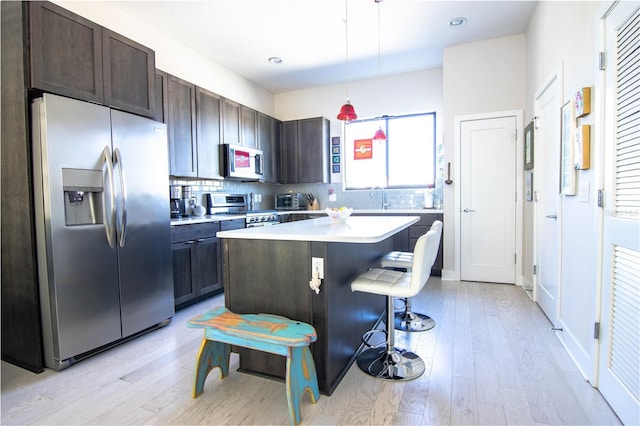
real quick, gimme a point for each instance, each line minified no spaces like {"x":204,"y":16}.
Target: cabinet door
{"x":313,"y":150}
{"x":289,"y":152}
{"x":248,"y":127}
{"x":184,"y":267}
{"x":182,"y":128}
{"x":208,"y":134}
{"x":230,"y":122}
{"x":267,"y":143}
{"x":129,"y":74}
{"x":65,"y":53}
{"x":208,"y":275}
{"x":162,"y":95}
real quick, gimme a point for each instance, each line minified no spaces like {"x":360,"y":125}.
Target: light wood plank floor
{"x":491,"y":360}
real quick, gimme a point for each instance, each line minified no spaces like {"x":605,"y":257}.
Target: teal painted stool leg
{"x":212,"y":354}
{"x":301,"y":376}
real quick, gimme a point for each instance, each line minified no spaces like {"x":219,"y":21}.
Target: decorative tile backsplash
{"x":358,"y":199}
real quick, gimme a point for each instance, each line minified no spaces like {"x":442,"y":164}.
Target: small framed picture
{"x":335,"y":140}
{"x":583,"y":102}
{"x":335,"y":149}
{"x":335,"y":168}
{"x":528,"y":146}
{"x":582,"y":151}
{"x":335,"y":159}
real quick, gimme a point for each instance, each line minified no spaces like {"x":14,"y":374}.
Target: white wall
{"x":567,"y":33}
{"x":176,"y":58}
{"x":415,"y":92}
{"x":480,"y":77}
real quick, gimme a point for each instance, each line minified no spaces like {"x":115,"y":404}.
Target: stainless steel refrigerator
{"x":102,"y":226}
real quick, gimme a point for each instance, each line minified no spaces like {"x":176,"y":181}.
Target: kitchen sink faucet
{"x":383,"y":202}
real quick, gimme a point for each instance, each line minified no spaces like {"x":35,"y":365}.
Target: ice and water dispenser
{"x":82,"y":196}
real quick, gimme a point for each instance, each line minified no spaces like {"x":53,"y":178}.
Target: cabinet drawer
{"x":194,"y":232}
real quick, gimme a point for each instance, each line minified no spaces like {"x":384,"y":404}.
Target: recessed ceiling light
{"x":275,"y":60}
{"x":457,"y":22}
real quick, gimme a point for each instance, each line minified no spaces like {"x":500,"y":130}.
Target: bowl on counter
{"x":339,"y":215}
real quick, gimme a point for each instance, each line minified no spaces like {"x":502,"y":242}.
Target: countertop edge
{"x":258,"y":234}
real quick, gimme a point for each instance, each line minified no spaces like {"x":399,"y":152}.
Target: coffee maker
{"x":176,"y":202}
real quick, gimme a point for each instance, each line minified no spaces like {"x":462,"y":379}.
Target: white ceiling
{"x":309,"y":35}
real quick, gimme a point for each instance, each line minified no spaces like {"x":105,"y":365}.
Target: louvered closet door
{"x":619,"y":370}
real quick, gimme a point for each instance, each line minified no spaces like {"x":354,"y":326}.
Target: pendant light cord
{"x":379,"y":79}
{"x":346,"y":42}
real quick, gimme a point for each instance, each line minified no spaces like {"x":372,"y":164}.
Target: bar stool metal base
{"x":413,"y":322}
{"x":397,"y":366}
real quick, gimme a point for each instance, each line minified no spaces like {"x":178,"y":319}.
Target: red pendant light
{"x":379,"y":135}
{"x":347,"y":112}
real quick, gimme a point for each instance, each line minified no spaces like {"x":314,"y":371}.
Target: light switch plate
{"x":317,"y":264}
{"x":583,"y":192}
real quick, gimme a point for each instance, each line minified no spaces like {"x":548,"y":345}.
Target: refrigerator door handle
{"x":109,"y":221}
{"x":123,"y":189}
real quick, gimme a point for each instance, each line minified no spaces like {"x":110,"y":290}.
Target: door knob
{"x":468,"y":210}
{"x":552,"y":216}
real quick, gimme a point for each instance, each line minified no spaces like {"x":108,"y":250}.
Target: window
{"x":405,"y":160}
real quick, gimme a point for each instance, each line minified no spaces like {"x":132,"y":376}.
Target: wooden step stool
{"x":263,"y":332}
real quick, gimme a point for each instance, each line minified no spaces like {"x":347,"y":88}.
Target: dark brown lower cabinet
{"x":196,"y":271}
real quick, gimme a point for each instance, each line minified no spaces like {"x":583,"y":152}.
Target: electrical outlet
{"x":317,"y":264}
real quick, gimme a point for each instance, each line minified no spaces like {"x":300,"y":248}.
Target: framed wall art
{"x":529,"y":186}
{"x":582,"y":151}
{"x":528,"y":146}
{"x":583,"y":102}
{"x":567,"y":169}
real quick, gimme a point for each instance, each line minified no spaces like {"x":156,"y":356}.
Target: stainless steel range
{"x":236,"y":204}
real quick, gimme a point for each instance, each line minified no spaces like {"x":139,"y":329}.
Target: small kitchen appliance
{"x":176,"y":203}
{"x":293,"y":201}
{"x":240,"y":162}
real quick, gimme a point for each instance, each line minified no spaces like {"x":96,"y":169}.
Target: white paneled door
{"x":547,"y":196}
{"x":619,"y":369}
{"x":488,"y":199}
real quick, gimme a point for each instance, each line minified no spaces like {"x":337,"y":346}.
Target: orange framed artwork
{"x":362,"y":149}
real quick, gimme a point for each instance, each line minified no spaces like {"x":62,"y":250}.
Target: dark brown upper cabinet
{"x":248,"y":127}
{"x":162,"y":95}
{"x":65,"y":52}
{"x":74,"y":57}
{"x":181,"y":128}
{"x":267,"y":142}
{"x":230,"y":121}
{"x":129,"y":74}
{"x":304,"y":151}
{"x":208,"y":133}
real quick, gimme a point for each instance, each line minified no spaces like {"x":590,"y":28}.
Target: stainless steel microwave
{"x":294,"y":201}
{"x":240,"y":162}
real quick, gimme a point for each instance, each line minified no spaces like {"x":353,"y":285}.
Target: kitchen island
{"x":268,"y":269}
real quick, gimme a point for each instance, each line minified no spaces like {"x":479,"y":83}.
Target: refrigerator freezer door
{"x":77,"y":268}
{"x":144,"y":257}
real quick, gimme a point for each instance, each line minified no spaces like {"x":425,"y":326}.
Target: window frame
{"x":385,"y":126}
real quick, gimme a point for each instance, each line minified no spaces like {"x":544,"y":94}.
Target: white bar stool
{"x":389,"y":362}
{"x":407,"y":320}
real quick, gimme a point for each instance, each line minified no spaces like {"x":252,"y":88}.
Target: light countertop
{"x":219,"y":218}
{"x":368,"y":211}
{"x":356,"y":229}
{"x":204,"y":219}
